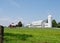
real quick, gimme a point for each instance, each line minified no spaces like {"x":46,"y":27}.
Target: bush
{"x":54,"y":23}
{"x":19,"y":24}
{"x":58,"y":25}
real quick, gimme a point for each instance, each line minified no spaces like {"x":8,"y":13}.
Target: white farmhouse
{"x":41,"y":23}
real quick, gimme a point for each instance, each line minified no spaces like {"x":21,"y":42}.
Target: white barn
{"x":41,"y":23}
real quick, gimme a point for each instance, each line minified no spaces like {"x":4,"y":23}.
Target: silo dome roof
{"x":49,"y":16}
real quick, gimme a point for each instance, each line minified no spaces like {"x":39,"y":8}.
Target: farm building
{"x":41,"y":23}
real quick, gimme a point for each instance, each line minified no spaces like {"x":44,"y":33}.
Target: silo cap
{"x":49,"y":16}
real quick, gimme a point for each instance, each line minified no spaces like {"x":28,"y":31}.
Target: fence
{"x":1,"y":34}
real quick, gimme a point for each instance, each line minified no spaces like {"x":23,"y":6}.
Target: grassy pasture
{"x":31,"y":35}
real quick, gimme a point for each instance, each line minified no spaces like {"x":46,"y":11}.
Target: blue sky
{"x":28,"y":10}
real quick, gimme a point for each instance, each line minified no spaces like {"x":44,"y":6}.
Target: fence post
{"x":1,"y":33}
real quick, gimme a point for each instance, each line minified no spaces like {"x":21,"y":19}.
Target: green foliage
{"x":58,"y":25}
{"x":31,"y":35}
{"x":19,"y":24}
{"x":54,"y":23}
{"x":19,"y":36}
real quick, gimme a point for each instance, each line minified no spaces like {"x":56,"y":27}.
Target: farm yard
{"x":31,"y":35}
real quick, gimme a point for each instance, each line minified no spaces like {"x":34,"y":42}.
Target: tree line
{"x":55,"y":24}
{"x":17,"y":25}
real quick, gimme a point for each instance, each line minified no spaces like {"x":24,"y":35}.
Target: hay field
{"x":31,"y":35}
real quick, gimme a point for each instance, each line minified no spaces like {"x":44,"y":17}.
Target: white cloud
{"x":16,"y":20}
{"x":4,"y":19}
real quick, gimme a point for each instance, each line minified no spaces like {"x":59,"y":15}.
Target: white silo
{"x":49,"y":21}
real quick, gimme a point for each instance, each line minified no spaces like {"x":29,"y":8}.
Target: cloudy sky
{"x":28,"y":10}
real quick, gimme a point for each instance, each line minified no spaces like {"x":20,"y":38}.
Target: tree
{"x":58,"y":25}
{"x":19,"y":24}
{"x":54,"y":23}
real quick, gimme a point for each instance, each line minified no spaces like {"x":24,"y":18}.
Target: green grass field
{"x":31,"y":35}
